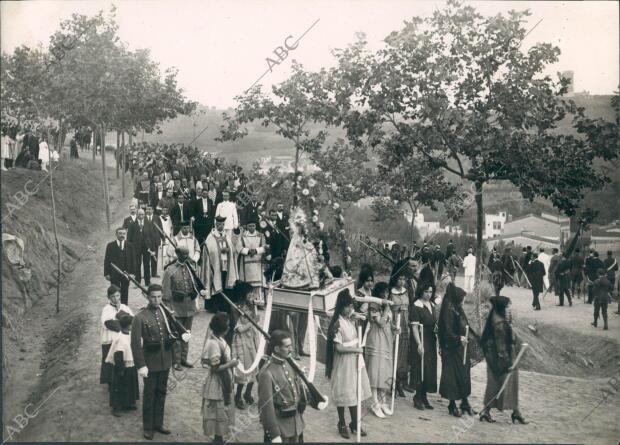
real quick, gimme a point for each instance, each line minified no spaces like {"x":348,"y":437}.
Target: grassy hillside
{"x":79,"y":208}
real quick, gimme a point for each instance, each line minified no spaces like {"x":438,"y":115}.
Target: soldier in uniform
{"x":180,"y":289}
{"x":152,"y":339}
{"x":281,"y":394}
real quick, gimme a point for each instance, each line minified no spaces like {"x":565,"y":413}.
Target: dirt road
{"x":77,"y":408}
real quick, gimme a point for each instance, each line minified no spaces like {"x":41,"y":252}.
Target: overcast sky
{"x":221,"y":47}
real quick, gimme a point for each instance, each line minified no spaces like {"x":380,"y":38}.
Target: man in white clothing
{"x":545,"y":258}
{"x":227,"y":209}
{"x":44,"y":153}
{"x":469,"y":264}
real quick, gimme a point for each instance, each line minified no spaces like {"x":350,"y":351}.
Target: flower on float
{"x":305,"y":192}
{"x":267,"y":234}
{"x":349,"y":249}
{"x":334,"y":186}
{"x":342,"y":231}
{"x":311,"y":182}
{"x":315,"y":219}
{"x":315,"y":211}
{"x":299,"y":178}
{"x":312,"y":198}
{"x":336,"y":206}
{"x":329,"y":202}
{"x":262,"y":224}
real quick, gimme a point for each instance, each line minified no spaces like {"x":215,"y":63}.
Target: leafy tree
{"x":456,"y":89}
{"x":296,"y":102}
{"x":412,"y":181}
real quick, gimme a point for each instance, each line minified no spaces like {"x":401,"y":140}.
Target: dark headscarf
{"x":498,"y":306}
{"x":452,"y":301}
{"x":344,"y":299}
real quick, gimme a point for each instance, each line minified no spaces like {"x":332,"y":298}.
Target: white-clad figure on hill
{"x":44,"y":153}
{"x":545,"y":258}
{"x":469,"y":264}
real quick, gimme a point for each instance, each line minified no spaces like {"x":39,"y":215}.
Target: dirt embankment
{"x":35,"y":338}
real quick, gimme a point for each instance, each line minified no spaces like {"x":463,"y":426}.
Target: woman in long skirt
{"x":500,"y":346}
{"x":218,"y":410}
{"x":342,"y":353}
{"x":455,"y":381}
{"x":379,"y":346}
{"x":424,"y":350}
{"x":400,"y":299}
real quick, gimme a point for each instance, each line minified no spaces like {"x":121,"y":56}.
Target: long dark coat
{"x":455,"y":381}
{"x":535,"y":273}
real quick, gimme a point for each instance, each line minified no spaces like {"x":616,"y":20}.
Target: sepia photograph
{"x":273,"y":221}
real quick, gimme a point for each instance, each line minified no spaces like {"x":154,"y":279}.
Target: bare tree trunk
{"x":130,"y":146}
{"x":105,"y":177}
{"x":51,"y":166}
{"x":118,"y":143}
{"x":94,"y":138}
{"x":478,"y":276}
{"x":124,"y":164}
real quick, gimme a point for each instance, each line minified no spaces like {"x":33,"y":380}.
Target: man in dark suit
{"x":138,"y":236}
{"x":535,"y":272}
{"x":153,"y":238}
{"x":563,"y":279}
{"x":131,"y":218}
{"x":282,"y":223}
{"x":180,"y":213}
{"x":203,"y":213}
{"x":121,"y":253}
{"x":158,"y":194}
{"x":250,"y":209}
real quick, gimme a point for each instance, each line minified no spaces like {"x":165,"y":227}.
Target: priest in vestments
{"x":251,"y":250}
{"x":219,"y":267}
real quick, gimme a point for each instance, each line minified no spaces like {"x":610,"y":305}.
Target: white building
{"x":494,"y":224}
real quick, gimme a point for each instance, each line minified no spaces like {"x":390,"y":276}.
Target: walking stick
{"x":466,"y":343}
{"x":521,"y":352}
{"x":417,"y":325}
{"x":395,"y":363}
{"x":359,"y":385}
{"x":524,"y":274}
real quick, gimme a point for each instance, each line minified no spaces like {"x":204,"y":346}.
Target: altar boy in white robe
{"x":251,"y":250}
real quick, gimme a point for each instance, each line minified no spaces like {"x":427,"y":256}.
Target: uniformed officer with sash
{"x":281,"y":394}
{"x":152,"y":339}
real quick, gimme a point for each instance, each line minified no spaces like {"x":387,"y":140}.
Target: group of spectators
{"x":26,"y":149}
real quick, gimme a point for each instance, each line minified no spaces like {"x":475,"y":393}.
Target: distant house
{"x":426,"y":228}
{"x":494,"y":224}
{"x":544,"y":230}
{"x":606,"y":237}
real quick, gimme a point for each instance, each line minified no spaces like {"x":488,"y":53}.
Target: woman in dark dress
{"x":424,"y":313}
{"x":501,"y":346}
{"x":455,"y":381}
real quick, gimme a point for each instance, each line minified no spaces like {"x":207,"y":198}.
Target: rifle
{"x":166,"y":310}
{"x":317,"y":400}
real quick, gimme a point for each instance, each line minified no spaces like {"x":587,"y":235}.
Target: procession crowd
{"x":199,"y":220}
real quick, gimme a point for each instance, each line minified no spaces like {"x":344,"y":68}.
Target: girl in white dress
{"x":341,"y":362}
